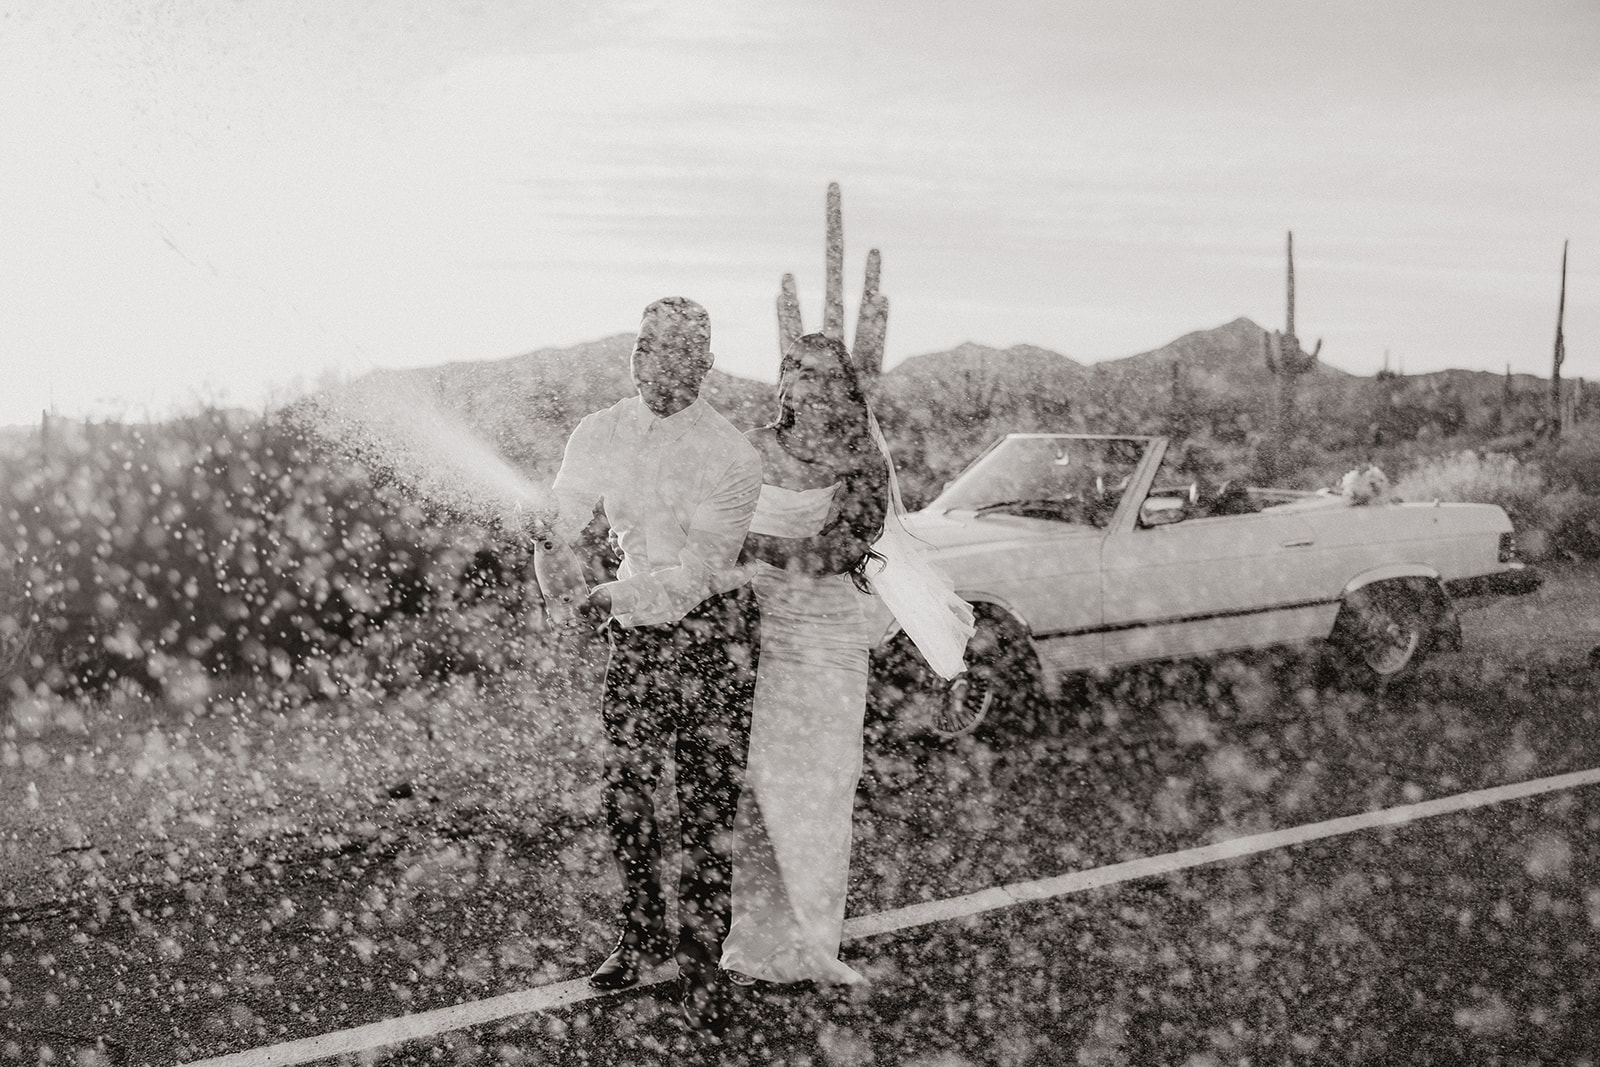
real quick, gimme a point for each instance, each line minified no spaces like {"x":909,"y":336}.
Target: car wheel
{"x":1384,"y":631}
{"x":965,"y":704}
{"x":1000,"y":684}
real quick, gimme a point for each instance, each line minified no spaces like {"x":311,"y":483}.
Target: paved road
{"x":1464,"y":939}
{"x":1432,"y":943}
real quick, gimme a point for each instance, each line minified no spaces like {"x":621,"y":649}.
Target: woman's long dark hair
{"x":865,"y":468}
{"x":859,"y":446}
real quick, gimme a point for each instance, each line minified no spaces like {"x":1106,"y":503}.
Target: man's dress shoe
{"x":632,"y":955}
{"x":705,"y":1007}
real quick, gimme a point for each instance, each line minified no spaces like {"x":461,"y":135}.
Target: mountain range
{"x":940,"y":407}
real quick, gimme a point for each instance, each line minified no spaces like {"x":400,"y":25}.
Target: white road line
{"x":561,"y":994}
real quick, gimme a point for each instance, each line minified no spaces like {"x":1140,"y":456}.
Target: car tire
{"x":1000,"y":685}
{"x":1385,"y":630}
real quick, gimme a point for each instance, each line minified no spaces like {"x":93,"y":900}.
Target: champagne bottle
{"x":560,"y":577}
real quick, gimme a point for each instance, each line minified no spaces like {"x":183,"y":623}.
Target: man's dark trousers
{"x":684,"y":690}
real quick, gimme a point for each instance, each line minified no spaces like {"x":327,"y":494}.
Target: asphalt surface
{"x":1463,"y":939}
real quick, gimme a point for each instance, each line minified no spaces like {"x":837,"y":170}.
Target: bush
{"x":20,"y":632}
{"x":1574,"y":524}
{"x":228,"y":542}
{"x":1576,"y":461}
{"x":1490,"y":478}
{"x":1549,"y":520}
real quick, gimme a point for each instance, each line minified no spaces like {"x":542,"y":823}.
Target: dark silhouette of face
{"x":672,"y":355}
{"x":825,"y":411}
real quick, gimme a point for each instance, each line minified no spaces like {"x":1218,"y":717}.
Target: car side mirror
{"x":1163,"y":510}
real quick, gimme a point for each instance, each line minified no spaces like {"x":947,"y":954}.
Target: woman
{"x":826,"y":497}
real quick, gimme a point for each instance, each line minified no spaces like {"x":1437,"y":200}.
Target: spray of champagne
{"x":394,"y":426}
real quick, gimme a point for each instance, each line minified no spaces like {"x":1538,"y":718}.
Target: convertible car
{"x":1082,"y":552}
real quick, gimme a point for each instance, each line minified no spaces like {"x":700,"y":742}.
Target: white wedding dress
{"x":791,"y":855}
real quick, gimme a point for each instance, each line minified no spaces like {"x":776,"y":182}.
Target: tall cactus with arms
{"x":872,"y":319}
{"x":1287,"y":361}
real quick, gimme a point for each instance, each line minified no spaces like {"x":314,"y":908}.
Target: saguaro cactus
{"x":1560,"y":352}
{"x":1287,"y":361}
{"x":1181,"y":417}
{"x":833,"y":273}
{"x":872,"y":320}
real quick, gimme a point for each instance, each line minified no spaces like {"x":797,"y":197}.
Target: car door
{"x":1042,"y":573}
{"x":1208,"y":585}
{"x":1020,"y":530}
{"x":1053,"y":584}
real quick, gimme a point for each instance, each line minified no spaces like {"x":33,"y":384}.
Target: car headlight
{"x":1508,"y":547}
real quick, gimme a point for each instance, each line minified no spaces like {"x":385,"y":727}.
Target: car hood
{"x":959,"y":528}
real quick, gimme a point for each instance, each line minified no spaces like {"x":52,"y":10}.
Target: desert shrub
{"x":1575,"y":461}
{"x":1295,"y":464}
{"x":1488,"y":478}
{"x":21,"y":636}
{"x":233,"y":543}
{"x":1548,"y":520}
{"x":1574,"y":524}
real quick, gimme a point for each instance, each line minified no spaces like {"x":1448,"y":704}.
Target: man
{"x":679,"y":486}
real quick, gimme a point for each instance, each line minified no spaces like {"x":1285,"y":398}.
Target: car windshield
{"x":1065,"y":478}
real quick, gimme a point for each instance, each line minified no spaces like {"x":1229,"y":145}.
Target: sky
{"x":228,"y":202}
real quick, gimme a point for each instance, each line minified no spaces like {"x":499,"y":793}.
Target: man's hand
{"x":595,"y":609}
{"x":537,"y":525}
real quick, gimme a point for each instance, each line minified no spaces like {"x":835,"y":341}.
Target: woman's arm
{"x":839,"y":546}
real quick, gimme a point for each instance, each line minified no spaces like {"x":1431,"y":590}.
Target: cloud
{"x":305,"y":183}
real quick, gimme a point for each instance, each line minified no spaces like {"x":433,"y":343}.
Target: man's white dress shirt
{"x":679,"y":493}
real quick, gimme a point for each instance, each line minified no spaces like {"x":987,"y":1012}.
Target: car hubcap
{"x":1390,"y":645}
{"x":966,"y":704}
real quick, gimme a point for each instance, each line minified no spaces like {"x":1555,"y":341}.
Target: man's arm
{"x":840,"y":544}
{"x":580,"y":483}
{"x":716,"y":534}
